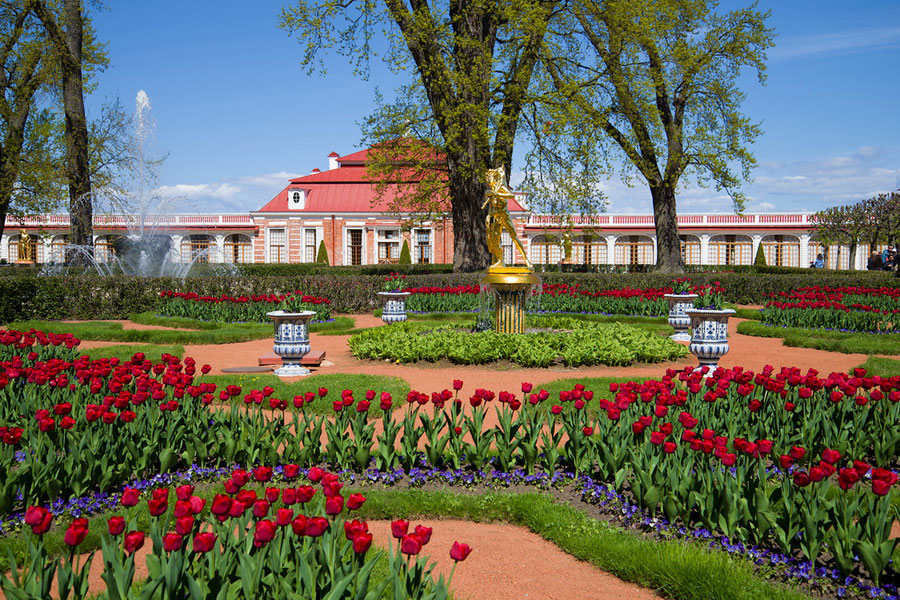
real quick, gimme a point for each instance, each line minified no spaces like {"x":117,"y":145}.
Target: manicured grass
{"x":124,"y":352}
{"x":752,"y":314}
{"x":674,"y":569}
{"x":885,"y":367}
{"x":820,"y":339}
{"x":335,"y":382}
{"x":202,"y":332}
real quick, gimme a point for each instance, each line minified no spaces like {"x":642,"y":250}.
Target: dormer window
{"x":297,"y":199}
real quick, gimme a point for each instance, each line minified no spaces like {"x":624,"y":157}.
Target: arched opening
{"x":589,"y":249}
{"x":730,"y":250}
{"x":690,"y":249}
{"x":197,"y":248}
{"x":106,"y":248}
{"x":635,"y":250}
{"x":58,"y":247}
{"x":238,"y":249}
{"x":31,"y":249}
{"x":782,"y":250}
{"x":544,"y":249}
{"x":836,"y":256}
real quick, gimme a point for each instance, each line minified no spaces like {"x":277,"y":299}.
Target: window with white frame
{"x":422,"y":246}
{"x":507,"y":246}
{"x":277,"y":246}
{"x":298,"y":199}
{"x":388,"y":244}
{"x":354,"y":252}
{"x":309,"y":245}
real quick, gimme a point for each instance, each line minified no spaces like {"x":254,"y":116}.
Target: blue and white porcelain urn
{"x":709,"y":334}
{"x":291,"y":340}
{"x":394,"y":310}
{"x":678,"y":319}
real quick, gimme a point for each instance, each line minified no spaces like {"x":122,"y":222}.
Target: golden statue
{"x":567,"y":247}
{"x":27,"y":249}
{"x":498,"y":218}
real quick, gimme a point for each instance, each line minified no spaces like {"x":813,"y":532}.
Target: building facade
{"x":339,"y":208}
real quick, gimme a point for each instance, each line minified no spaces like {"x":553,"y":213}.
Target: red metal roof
{"x":342,"y":190}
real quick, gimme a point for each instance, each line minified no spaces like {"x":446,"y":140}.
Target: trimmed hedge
{"x":352,"y":289}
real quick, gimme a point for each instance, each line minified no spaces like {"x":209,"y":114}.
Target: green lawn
{"x":885,"y":367}
{"x":124,"y":352}
{"x":820,"y":339}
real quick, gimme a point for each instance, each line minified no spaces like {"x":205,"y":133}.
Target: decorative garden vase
{"x":679,"y":321}
{"x":291,"y":340}
{"x":709,"y":334}
{"x":394,"y":310}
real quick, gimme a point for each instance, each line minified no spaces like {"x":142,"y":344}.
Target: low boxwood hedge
{"x":350,"y":289}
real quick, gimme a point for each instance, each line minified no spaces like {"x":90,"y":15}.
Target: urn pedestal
{"x":510,"y":286}
{"x":394,"y":309}
{"x":291,"y":341}
{"x":709,"y":334}
{"x":678,"y":319}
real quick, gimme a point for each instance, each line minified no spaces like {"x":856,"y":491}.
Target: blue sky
{"x":238,"y":117}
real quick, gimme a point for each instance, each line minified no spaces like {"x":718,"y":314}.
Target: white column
{"x":175,"y":253}
{"x":757,"y":240}
{"x":804,"y":250}
{"x":220,"y":249}
{"x":611,"y":249}
{"x":4,"y":247}
{"x":704,"y":249}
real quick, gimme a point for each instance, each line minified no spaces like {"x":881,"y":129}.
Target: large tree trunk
{"x":470,"y":251}
{"x":854,"y":245}
{"x":668,"y":244}
{"x":77,"y":163}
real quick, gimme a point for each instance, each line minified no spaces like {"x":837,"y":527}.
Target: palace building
{"x":340,"y":207}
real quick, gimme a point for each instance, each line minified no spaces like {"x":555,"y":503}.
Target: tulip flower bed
{"x":859,"y":309}
{"x":569,"y":341}
{"x":290,"y":542}
{"x":549,"y":298}
{"x":781,"y":459}
{"x":243,"y":309}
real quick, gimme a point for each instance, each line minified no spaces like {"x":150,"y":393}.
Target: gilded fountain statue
{"x":510,"y":284}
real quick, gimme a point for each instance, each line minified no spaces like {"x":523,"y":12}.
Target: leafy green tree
{"x":322,"y":254}
{"x":659,"y":79}
{"x":473,"y":63}
{"x":71,"y":44}
{"x":846,"y":225}
{"x":405,"y":258}
{"x":27,"y":150}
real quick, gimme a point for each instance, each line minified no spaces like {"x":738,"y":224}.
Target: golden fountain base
{"x":510,"y":286}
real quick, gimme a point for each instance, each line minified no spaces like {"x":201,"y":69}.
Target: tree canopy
{"x":473,"y":62}
{"x":660,"y":79}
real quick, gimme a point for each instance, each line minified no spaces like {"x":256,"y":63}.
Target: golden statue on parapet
{"x":498,"y":219}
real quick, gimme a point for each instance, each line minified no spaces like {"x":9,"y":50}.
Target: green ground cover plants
{"x":572,"y":342}
{"x":820,"y":339}
{"x":884,"y":367}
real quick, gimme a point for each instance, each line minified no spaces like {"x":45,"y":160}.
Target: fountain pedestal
{"x":510,"y":286}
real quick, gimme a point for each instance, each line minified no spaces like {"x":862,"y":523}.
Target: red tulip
{"x":157,"y":506}
{"x":316,"y":526}
{"x":355,"y":501}
{"x":204,"y":542}
{"x":262,"y":474}
{"x":847,"y":478}
{"x":457,"y":384}
{"x":305,"y":493}
{"x":315,"y":474}
{"x":76,"y":532}
{"x":410,"y":545}
{"x":830,"y":456}
{"x":172,"y":541}
{"x":115,"y":525}
{"x":263,"y":533}
{"x":134,"y":540}
{"x":423,"y":534}
{"x":362,"y":543}
{"x":399,"y":528}
{"x":299,"y":525}
{"x":459,"y":551}
{"x":291,"y":471}
{"x":184,"y":525}
{"x":284,"y":517}
{"x":272,"y":494}
{"x":260,"y":509}
{"x":334,"y":505}
{"x":184,"y":492}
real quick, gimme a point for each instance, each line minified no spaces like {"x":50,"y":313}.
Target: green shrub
{"x":760,"y":260}
{"x":405,"y":258}
{"x":571,"y":342}
{"x":322,"y":254}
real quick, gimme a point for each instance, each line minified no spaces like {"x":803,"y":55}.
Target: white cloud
{"x":239,"y":194}
{"x":840,"y":42}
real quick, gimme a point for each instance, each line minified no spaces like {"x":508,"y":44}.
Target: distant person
{"x":888,"y":257}
{"x":874,"y":263}
{"x":819,"y":262}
